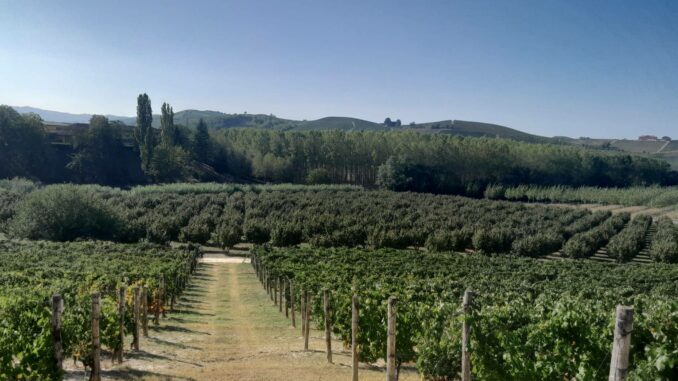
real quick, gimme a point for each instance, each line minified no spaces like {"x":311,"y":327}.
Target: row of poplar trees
{"x":174,"y":152}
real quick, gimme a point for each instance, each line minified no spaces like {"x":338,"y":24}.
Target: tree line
{"x":401,"y":161}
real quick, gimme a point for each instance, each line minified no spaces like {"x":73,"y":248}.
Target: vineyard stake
{"x":328,"y":324}
{"x":621,"y":346}
{"x":96,"y":343}
{"x":137,"y":301}
{"x":294,"y":321}
{"x":287,"y":304}
{"x":281,"y":288}
{"x":156,"y":309}
{"x":303,"y":312}
{"x":354,"y":335}
{"x":307,"y":332}
{"x":144,"y":310}
{"x":163,"y":297}
{"x":121,"y":322}
{"x":391,"y":374}
{"x":465,"y":331}
{"x":57,"y":309}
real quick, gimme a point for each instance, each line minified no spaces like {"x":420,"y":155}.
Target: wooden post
{"x":96,"y":342}
{"x":391,"y":374}
{"x":294,"y":321}
{"x":144,"y":310}
{"x":275,"y":292}
{"x":281,"y":288}
{"x":303,"y":312}
{"x":354,"y":335}
{"x":328,"y":324}
{"x":57,"y":310}
{"x":163,"y":297}
{"x":286,"y":284}
{"x":121,"y":322}
{"x":307,"y":332}
{"x":621,"y":346}
{"x":156,"y":310}
{"x":137,"y":302}
{"x":465,"y":331}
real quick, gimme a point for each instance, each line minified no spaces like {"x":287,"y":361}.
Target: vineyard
{"x":32,"y":272}
{"x":531,"y":320}
{"x":332,"y":216}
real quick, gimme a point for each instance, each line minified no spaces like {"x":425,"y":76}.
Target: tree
{"x":398,"y":123}
{"x":388,"y":122}
{"x":98,"y":153}
{"x":168,"y":132}
{"x":143,"y":133}
{"x":202,"y":145}
{"x":23,"y":147}
{"x":169,"y":163}
{"x":666,"y":138}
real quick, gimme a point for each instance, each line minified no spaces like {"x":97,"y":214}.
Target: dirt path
{"x":226,"y":328}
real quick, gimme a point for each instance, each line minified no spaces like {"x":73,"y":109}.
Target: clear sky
{"x":575,"y":68}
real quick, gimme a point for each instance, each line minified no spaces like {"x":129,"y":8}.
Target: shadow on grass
{"x":174,"y":328}
{"x":172,"y":344}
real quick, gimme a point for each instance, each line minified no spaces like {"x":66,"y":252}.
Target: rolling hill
{"x":214,"y":119}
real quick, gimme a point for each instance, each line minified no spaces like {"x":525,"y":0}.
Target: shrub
{"x":319,"y":176}
{"x":492,"y":241}
{"x":629,"y":241}
{"x":227,"y":234}
{"x":494,"y":192}
{"x":256,"y":231}
{"x":456,"y":240}
{"x":664,"y":246}
{"x":285,"y":234}
{"x":585,"y":244}
{"x":537,"y":245}
{"x":64,"y":213}
{"x":198,"y":230}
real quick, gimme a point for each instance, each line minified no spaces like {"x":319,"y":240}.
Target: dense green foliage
{"x":432,"y":163}
{"x":395,"y":160}
{"x":664,"y":246}
{"x":648,"y":196}
{"x":324,"y":216}
{"x":586,"y":243}
{"x":630,"y":240}
{"x":31,"y":272}
{"x":532,"y":320}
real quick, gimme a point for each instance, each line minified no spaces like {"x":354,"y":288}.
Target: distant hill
{"x":214,"y":119}
{"x":217,"y":119}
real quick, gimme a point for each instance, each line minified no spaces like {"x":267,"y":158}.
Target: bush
{"x":494,"y":192}
{"x":629,"y":241}
{"x":64,"y":213}
{"x":227,"y":234}
{"x":256,"y":231}
{"x":664,"y":246}
{"x":285,"y":234}
{"x":319,"y":176}
{"x":455,"y":240}
{"x":198,"y":230}
{"x":492,"y":241}
{"x":537,"y":245}
{"x":585,"y":244}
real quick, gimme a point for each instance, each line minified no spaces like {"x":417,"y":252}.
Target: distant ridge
{"x":216,"y":119}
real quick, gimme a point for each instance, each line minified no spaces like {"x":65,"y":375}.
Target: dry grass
{"x":226,"y":328}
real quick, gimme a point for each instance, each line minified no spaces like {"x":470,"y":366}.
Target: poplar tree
{"x":143,"y":133}
{"x":202,"y":145}
{"x":168,"y":131}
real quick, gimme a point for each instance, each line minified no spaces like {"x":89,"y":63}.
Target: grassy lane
{"x":226,"y":328}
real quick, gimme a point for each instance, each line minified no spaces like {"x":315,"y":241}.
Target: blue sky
{"x":574,"y":68}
